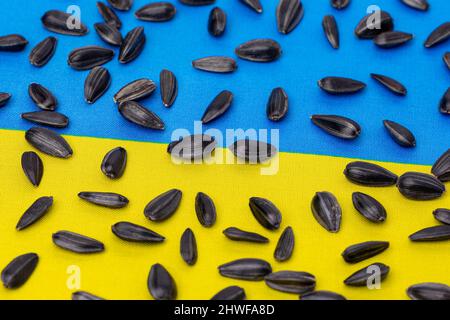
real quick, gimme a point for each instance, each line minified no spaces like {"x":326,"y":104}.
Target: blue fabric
{"x":307,"y":57}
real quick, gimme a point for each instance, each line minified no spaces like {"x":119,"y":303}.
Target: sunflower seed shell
{"x":246,"y":269}
{"x":429,"y":291}
{"x":122,"y":5}
{"x":289,"y":14}
{"x":19,"y":270}
{"x":421,"y":5}
{"x":114,"y":163}
{"x":236,"y":234}
{"x":188,"y":247}
{"x":215,"y":64}
{"x":369,"y":174}
{"x":365,"y":250}
{"x":132,"y":45}
{"x":163,"y":206}
{"x":205,"y":210}
{"x":108,"y":14}
{"x":160,"y":283}
{"x":340,"y":4}
{"x":369,"y":207}
{"x":291,"y":281}
{"x":401,"y":135}
{"x":442,"y":215}
{"x":392,"y":39}
{"x":43,"y":52}
{"x":4,"y":98}
{"x":230,"y":293}
{"x":135,"y":90}
{"x":253,"y":4}
{"x":193,"y":147}
{"x":32,"y":167}
{"x":265,"y":212}
{"x":35,"y":212}
{"x":285,"y":245}
{"x":259,"y":50}
{"x":134,"y":112}
{"x":156,"y":12}
{"x":104,"y":199}
{"x":436,"y":233}
{"x":88,"y":57}
{"x":48,"y":142}
{"x":278,"y":104}
{"x":331,"y":31}
{"x":439,"y":35}
{"x":392,"y":84}
{"x":444,"y":104}
{"x":77,"y":243}
{"x":217,"y":22}
{"x":169,"y":87}
{"x":252,"y":151}
{"x":96,"y":84}
{"x":362,"y":277}
{"x":109,"y":33}
{"x":134,"y":233}
{"x":339,"y":85}
{"x":420,"y":186}
{"x":13,"y":43}
{"x":337,"y":126}
{"x":63,"y":23}
{"x":85,"y":296}
{"x":373,"y":24}
{"x":322,"y":295}
{"x":42,"y":97}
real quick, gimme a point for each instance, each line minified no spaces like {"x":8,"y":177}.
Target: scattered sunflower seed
{"x":4,"y":98}
{"x":246,"y":269}
{"x":369,"y":174}
{"x":197,"y":2}
{"x":400,"y":134}
{"x":132,"y":232}
{"x":391,"y":39}
{"x":339,"y":85}
{"x":265,"y":212}
{"x":373,"y":24}
{"x":35,"y":212}
{"x":442,"y":215}
{"x":436,"y":233}
{"x":417,"y":4}
{"x":439,"y":35}
{"x":392,"y":84}
{"x":156,"y":12}
{"x":441,"y":168}
{"x":109,"y":33}
{"x":337,"y":126}
{"x":43,"y":52}
{"x":230,"y":293}
{"x":135,"y":90}
{"x":122,"y":5}
{"x":109,"y":15}
{"x":13,"y":42}
{"x":361,"y":277}
{"x":252,"y":151}
{"x":96,"y":84}
{"x":217,"y":22}
{"x":85,"y":296}
{"x":163,"y":206}
{"x":322,"y":295}
{"x":169,"y":87}
{"x":104,"y":199}
{"x":77,"y":243}
{"x":327,"y":211}
{"x":215,"y":64}
{"x":48,"y":142}
{"x":188,"y":247}
{"x":291,"y":281}
{"x":134,"y":112}
{"x":369,"y":207}
{"x":331,"y":30}
{"x":259,"y":50}
{"x":132,"y":45}
{"x":278,"y":105}
{"x":285,"y":245}
{"x":364,"y":250}
{"x":193,"y":147}
{"x":429,"y":291}
{"x":253,"y":4}
{"x":340,"y":4}
{"x":63,"y":23}
{"x":88,"y":57}
{"x":205,"y":210}
{"x":114,"y":163}
{"x":289,"y":14}
{"x":42,"y":97}
{"x":17,"y":272}
{"x":160,"y":283}
{"x":32,"y":167}
{"x":218,"y":106}
{"x":446,"y":58}
{"x":420,"y":186}
{"x":236,"y":234}
{"x":444,"y":104}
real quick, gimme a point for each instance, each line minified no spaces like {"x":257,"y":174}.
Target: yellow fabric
{"x":121,"y":271}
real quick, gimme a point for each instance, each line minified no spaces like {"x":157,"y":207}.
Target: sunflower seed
{"x":265,"y":212}
{"x":420,"y":186}
{"x":193,"y":147}
{"x":86,"y":58}
{"x":42,"y":97}
{"x":373,"y":24}
{"x":217,"y":22}
{"x":289,"y":14}
{"x":241,"y":235}
{"x":369,"y":207}
{"x":104,"y":199}
{"x":337,"y":126}
{"x":246,"y":269}
{"x":122,"y":5}
{"x":417,"y":4}
{"x":391,"y":39}
{"x":285,"y":245}
{"x":322,"y":295}
{"x":218,"y":106}
{"x":109,"y":15}
{"x":35,"y":212}
{"x":12,"y":42}
{"x":439,"y":35}
{"x":400,"y":134}
{"x":369,"y":174}
{"x":43,"y":52}
{"x":156,"y":12}
{"x":441,"y":168}
{"x":197,"y":2}
{"x":362,"y":277}
{"x":132,"y":232}
{"x":278,"y":104}
{"x":163,"y":206}
{"x":331,"y":30}
{"x":135,"y":90}
{"x":391,"y":84}
{"x":160,"y":283}
{"x":32,"y":167}
{"x":364,"y":250}
{"x":436,"y":233}
{"x":253,"y":4}
{"x":48,"y":142}
{"x":340,"y":4}
{"x":114,"y":163}
{"x":85,"y":296}
{"x":134,"y":112}
{"x":17,"y":272}
{"x":252,"y":151}
{"x":447,"y":59}
{"x":259,"y":50}
{"x":109,"y":33}
{"x":339,"y":85}
{"x":215,"y":64}
{"x":96,"y":84}
{"x":4,"y":98}
{"x":230,"y":293}
{"x":291,"y":281}
{"x":76,"y":242}
{"x":188,"y":247}
{"x":429,"y":291}
{"x":442,"y":215}
{"x":327,"y":211}
{"x":444,"y":104}
{"x":205,"y":210}
{"x":132,"y":45}
{"x":63,"y":23}
{"x":169,"y":87}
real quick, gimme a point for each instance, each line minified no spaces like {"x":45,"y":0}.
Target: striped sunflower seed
{"x":13,"y":42}
{"x":156,"y":12}
{"x":43,"y":52}
{"x":278,"y":105}
{"x":122,"y":5}
{"x":85,"y":296}
{"x":163,"y":206}
{"x":436,"y":233}
{"x":63,"y":23}
{"x":265,"y":212}
{"x":188,"y":247}
{"x":114,"y":163}
{"x":169,"y":87}
{"x":429,"y":291}
{"x":259,"y":50}
{"x":364,"y":250}
{"x":134,"y":112}
{"x":215,"y":64}
{"x":48,"y":142}
{"x":4,"y":98}
{"x":331,"y":30}
{"x":252,"y":151}
{"x":35,"y":212}
{"x":373,"y":24}
{"x":218,"y":106}
{"x":160,"y":283}
{"x":444,"y":104}
{"x":392,"y":39}
{"x":86,"y":58}
{"x":217,"y":22}
{"x":236,"y":234}
{"x":361,"y":277}
{"x":322,"y":295}
{"x":369,"y":207}
{"x":197,"y":2}
{"x":109,"y":33}
{"x":446,"y":58}
{"x":230,"y":293}
{"x":77,"y":243}
{"x":392,"y":84}
{"x":205,"y":210}
{"x":132,"y":232}
{"x":32,"y":167}
{"x":327,"y":211}
{"x":108,"y":15}
{"x":369,"y":174}
{"x":442,"y":215}
{"x":246,"y":269}
{"x":96,"y":84}
{"x":132,"y":45}
{"x":253,"y":4}
{"x":19,"y":270}
{"x":291,"y":281}
{"x":340,"y":4}
{"x":339,"y":85}
{"x":421,"y":5}
{"x":193,"y":147}
{"x":285,"y":245}
{"x":439,"y":35}
{"x":337,"y":126}
{"x":104,"y":199}
{"x":135,"y":90}
{"x":441,"y":168}
{"x":401,"y":135}
{"x":42,"y":97}
{"x":420,"y":186}
{"x":289,"y":14}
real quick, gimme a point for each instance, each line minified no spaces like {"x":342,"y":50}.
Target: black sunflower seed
{"x":420,"y":186}
{"x":188,"y":247}
{"x":109,"y":15}
{"x":289,"y":14}
{"x":205,"y":210}
{"x":122,"y":5}
{"x":339,"y":85}
{"x":369,"y":207}
{"x":35,"y":212}
{"x":135,"y":90}
{"x":291,"y":281}
{"x":12,"y":42}
{"x":278,"y":105}
{"x":104,"y":199}
{"x":364,"y":250}
{"x":442,"y":215}
{"x":114,"y":163}
{"x":85,"y":58}
{"x":369,"y":174}
{"x":132,"y":232}
{"x":42,"y":97}
{"x":236,"y":234}
{"x":32,"y":167}
{"x":76,"y":242}
{"x":132,"y":45}
{"x":109,"y":33}
{"x":441,"y":168}
{"x":160,"y":283}
{"x":168,"y":86}
{"x":254,"y":4}
{"x":400,"y":134}
{"x":417,"y":4}
{"x":259,"y":50}
{"x":43,"y":52}
{"x":215,"y":64}
{"x":163,"y":206}
{"x":444,"y":104}
{"x":340,"y":4}
{"x":265,"y":212}
{"x":327,"y":211}
{"x":217,"y":22}
{"x":193,"y":147}
{"x":246,"y":269}
{"x":331,"y":30}
{"x":391,"y":39}
{"x":429,"y":291}
{"x":230,"y":293}
{"x":134,"y":112}
{"x":439,"y":35}
{"x":85,"y":296}
{"x":285,"y":245}
{"x":322,"y":295}
{"x":4,"y":98}
{"x":361,"y":277}
{"x":373,"y":24}
{"x":63,"y":23}
{"x":17,"y":272}
{"x":392,"y":84}
{"x":218,"y":106}
{"x":436,"y":233}
{"x":197,"y":2}
{"x":337,"y":126}
{"x":49,"y":142}
{"x":252,"y":151}
{"x":156,"y":12}
{"x":96,"y":84}
{"x":446,"y":58}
